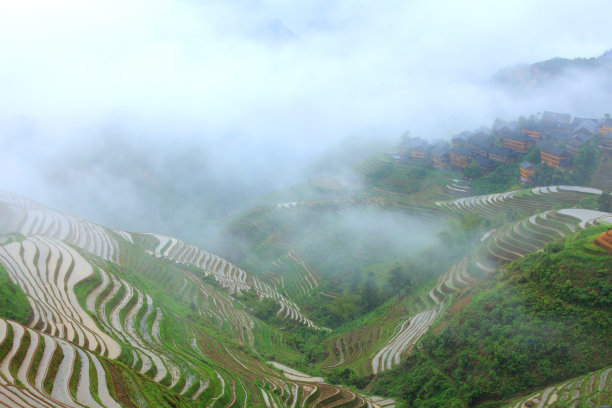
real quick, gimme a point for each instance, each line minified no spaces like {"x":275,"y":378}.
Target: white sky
{"x":278,"y":69}
{"x":270,"y":81}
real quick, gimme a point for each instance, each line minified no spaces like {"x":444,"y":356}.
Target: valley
{"x":332,"y":284}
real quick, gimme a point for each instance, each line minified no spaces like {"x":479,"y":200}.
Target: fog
{"x":109,"y":109}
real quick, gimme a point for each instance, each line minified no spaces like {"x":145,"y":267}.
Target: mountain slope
{"x":545,"y":72}
{"x":543,"y":320}
{"x":164,"y":314}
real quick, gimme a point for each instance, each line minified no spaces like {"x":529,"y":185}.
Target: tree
{"x":398,"y":280}
{"x":586,"y":161}
{"x":472,"y":222}
{"x":370,"y":295}
{"x":472,"y":170}
{"x":543,"y":175}
{"x":604,"y":203}
{"x":265,"y":309}
{"x":534,"y":156}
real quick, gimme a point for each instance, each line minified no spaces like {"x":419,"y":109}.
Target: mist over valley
{"x":325,"y":204}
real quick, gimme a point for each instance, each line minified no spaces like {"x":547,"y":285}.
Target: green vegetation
{"x":350,"y":260}
{"x":54,"y":364}
{"x":503,"y":178}
{"x":36,"y":360}
{"x":546,"y":318}
{"x":584,"y":161}
{"x":604,"y":202}
{"x":76,"y":373}
{"x":265,"y":309}
{"x":21,"y":352}
{"x":13,"y":302}
{"x":415,"y":179}
{"x":7,"y":344}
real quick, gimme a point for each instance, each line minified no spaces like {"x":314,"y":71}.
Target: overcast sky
{"x":276,"y":69}
{"x":300,"y":75}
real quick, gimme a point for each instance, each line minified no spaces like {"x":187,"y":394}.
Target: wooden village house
{"x":555,"y":156}
{"x":502,"y":154}
{"x":527,"y":172}
{"x":440,"y":157}
{"x":460,"y":156}
{"x":518,"y":142}
{"x":533,"y":130}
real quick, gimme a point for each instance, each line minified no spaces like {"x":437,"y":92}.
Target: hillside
{"x":127,"y":319}
{"x":393,"y":286}
{"x":543,"y":320}
{"x":539,"y":74}
{"x":479,"y":234}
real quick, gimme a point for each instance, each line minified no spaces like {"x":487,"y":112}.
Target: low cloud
{"x":260,"y":89}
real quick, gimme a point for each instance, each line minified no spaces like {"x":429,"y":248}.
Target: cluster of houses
{"x":556,"y":135}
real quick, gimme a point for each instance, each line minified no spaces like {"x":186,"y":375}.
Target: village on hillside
{"x":546,"y":143}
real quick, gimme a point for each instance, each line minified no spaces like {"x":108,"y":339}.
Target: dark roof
{"x":535,"y":126}
{"x":499,"y":125}
{"x":555,"y":135}
{"x":546,"y":125}
{"x":557,"y":117}
{"x":520,"y":137}
{"x":485,"y":163}
{"x":581,"y":136}
{"x":582,"y":132}
{"x":480,"y":144}
{"x":552,"y":149}
{"x":575,"y":143}
{"x":502,"y":151}
{"x":577,"y":120}
{"x":462,"y":136}
{"x":421,"y":147}
{"x":587,"y":126}
{"x":506,"y":129}
{"x":461,"y":151}
{"x":439,"y":151}
{"x":607,"y":123}
{"x":528,"y":165}
{"x":480,"y":136}
{"x":580,"y":121}
{"x":412,"y":142}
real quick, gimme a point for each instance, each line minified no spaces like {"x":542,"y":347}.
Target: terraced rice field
{"x":235,"y":279}
{"x":47,"y":270}
{"x":30,"y":218}
{"x":517,"y":239}
{"x":291,"y":263}
{"x":412,"y":329}
{"x":61,"y":358}
{"x":603,"y":175}
{"x":37,"y":370}
{"x":457,"y":187}
{"x":379,"y":347}
{"x":591,"y":390}
{"x":279,"y":259}
{"x":530,"y":202}
{"x":58,"y":361}
{"x":497,"y":247}
{"x":142,"y":340}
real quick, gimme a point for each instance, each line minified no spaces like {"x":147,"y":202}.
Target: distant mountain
{"x":539,"y":74}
